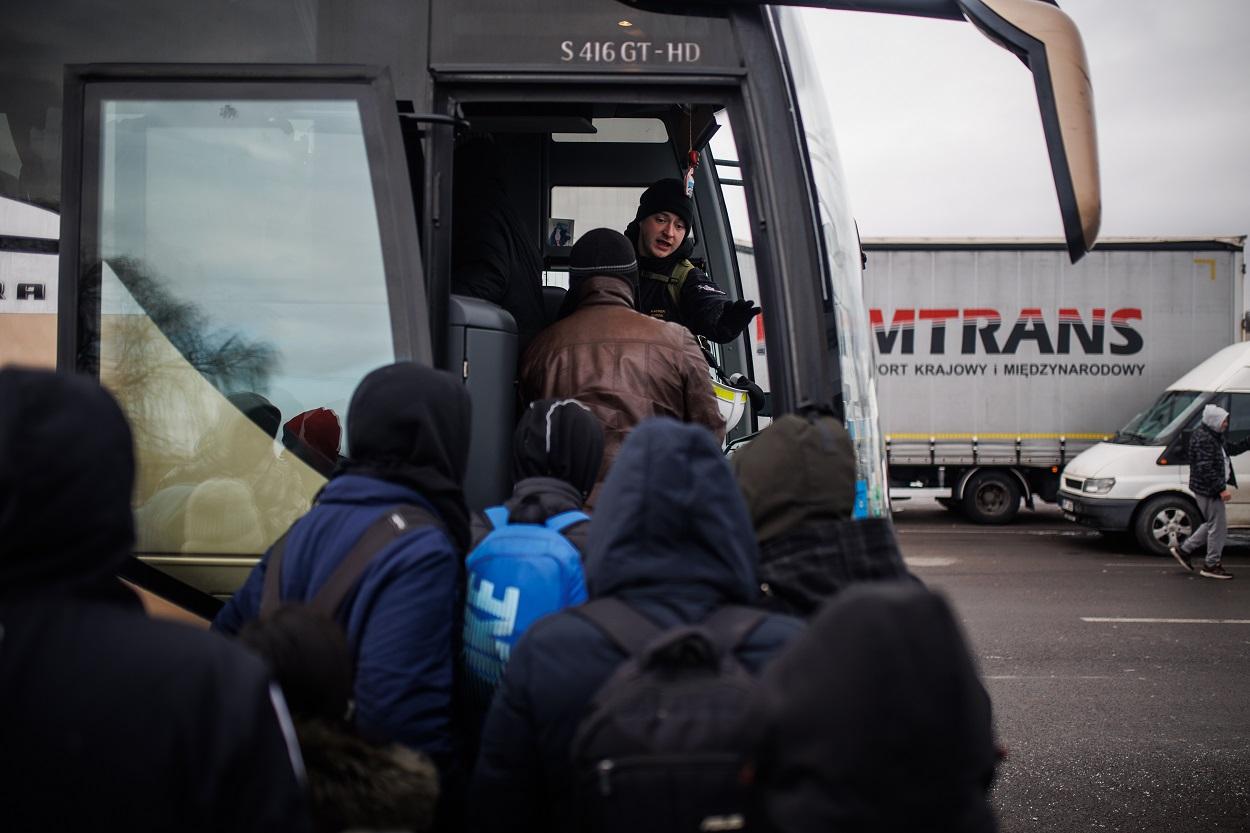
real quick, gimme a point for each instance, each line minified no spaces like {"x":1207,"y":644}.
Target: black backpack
{"x":664,"y":743}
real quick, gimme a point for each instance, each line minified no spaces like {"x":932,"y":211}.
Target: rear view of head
{"x":558,"y":438}
{"x":66,"y":475}
{"x":603,"y":251}
{"x":409,"y":424}
{"x":1215,"y":418}
{"x":309,"y":659}
{"x":799,"y":470}
{"x":876,"y":720}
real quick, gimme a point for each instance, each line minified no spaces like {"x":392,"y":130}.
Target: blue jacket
{"x":671,"y":537}
{"x":401,"y":620}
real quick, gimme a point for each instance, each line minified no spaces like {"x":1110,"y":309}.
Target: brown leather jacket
{"x":623,"y":365}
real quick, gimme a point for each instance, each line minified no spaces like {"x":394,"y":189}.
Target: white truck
{"x":998,"y":361}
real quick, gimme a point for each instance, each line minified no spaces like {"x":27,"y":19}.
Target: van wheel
{"x":1165,"y":521}
{"x":991,"y":497}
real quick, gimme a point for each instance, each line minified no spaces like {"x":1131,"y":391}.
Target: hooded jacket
{"x":673,"y":540}
{"x":798,"y":479}
{"x":624,"y":366}
{"x":108,"y":718}
{"x":408,"y":430}
{"x":557,"y":449}
{"x":875,"y":721}
{"x":1210,"y":469}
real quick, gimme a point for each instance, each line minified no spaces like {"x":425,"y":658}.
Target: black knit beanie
{"x":666,"y":195}
{"x":603,"y":251}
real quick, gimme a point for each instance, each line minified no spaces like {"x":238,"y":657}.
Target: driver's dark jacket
{"x":700,"y":302}
{"x":624,"y":366}
{"x":1207,"y":467}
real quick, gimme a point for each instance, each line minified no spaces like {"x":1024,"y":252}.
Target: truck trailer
{"x":998,"y":361}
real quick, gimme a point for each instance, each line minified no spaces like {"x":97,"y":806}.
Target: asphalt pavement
{"x":1119,"y":681}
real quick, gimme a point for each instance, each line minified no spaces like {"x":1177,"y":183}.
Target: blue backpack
{"x":516,"y":575}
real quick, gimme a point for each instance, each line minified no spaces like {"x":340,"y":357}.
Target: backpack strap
{"x":271,"y":590}
{"x":626,"y":627}
{"x":733,"y":624}
{"x":561,"y":522}
{"x":498,"y":516}
{"x":675,"y":281}
{"x":392,"y":524}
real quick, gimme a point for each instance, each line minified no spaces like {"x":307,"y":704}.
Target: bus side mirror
{"x":1048,"y":43}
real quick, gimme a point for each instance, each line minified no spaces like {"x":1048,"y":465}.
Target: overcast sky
{"x":940,"y":135}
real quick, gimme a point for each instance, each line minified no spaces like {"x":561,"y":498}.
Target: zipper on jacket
{"x":604,"y":769}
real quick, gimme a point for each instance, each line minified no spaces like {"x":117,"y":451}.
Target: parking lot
{"x":1119,"y":681}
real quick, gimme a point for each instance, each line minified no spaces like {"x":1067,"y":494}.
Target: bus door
{"x":239,"y":247}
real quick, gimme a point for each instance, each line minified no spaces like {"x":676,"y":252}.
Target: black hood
{"x":661,"y":265}
{"x":876,"y":719}
{"x":558,"y":438}
{"x":67,"y":471}
{"x":670,"y":521}
{"x":409,"y":424}
{"x":799,"y":471}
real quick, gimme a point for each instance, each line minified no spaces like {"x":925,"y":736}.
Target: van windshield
{"x":1155,"y":424}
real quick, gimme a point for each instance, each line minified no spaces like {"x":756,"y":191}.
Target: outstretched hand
{"x":734,"y":318}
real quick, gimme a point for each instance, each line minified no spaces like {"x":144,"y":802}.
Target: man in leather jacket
{"x":670,"y":287}
{"x":622,"y":365}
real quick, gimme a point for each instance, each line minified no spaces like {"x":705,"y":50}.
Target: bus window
{"x":28,"y":282}
{"x":216,"y":319}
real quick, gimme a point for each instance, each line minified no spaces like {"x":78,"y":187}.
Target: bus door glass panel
{"x":1238,"y":431}
{"x":724,"y":158}
{"x":845,"y":307}
{"x":241,"y":298}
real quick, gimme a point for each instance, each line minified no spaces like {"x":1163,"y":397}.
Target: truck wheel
{"x":1165,"y":521}
{"x":991,"y":497}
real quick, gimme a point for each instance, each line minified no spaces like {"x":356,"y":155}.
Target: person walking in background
{"x":798,"y":479}
{"x":621,"y":364}
{"x":108,"y":719}
{"x":408,"y":430}
{"x":1210,"y":477}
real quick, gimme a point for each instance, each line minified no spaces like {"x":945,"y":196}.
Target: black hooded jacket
{"x":557,"y":450}
{"x":701,"y":300}
{"x":110,"y":720}
{"x":875,"y":721}
{"x":671,"y":538}
{"x":798,"y":479}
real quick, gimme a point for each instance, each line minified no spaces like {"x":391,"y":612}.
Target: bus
{"x":259,"y":201}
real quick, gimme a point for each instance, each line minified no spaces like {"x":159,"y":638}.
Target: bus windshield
{"x":846,"y":314}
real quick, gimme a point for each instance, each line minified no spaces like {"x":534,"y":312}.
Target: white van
{"x":1138,"y":482}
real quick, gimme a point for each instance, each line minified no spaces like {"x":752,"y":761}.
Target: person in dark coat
{"x":494,"y":256}
{"x":556,"y":452}
{"x":1210,"y":476}
{"x":670,"y":287}
{"x":109,"y":719}
{"x":353,"y":784}
{"x":876,"y":721}
{"x":408,"y":435}
{"x":798,"y":479}
{"x":672,"y":539}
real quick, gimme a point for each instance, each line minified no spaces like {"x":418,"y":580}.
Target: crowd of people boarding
{"x":645,"y":635}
